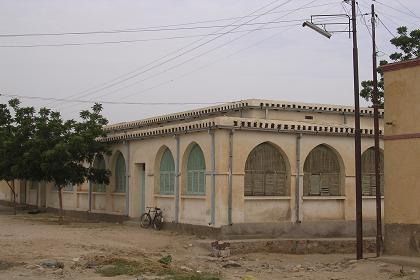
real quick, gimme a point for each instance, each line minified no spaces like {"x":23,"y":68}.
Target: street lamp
{"x":317,"y":29}
{"x":357,"y":133}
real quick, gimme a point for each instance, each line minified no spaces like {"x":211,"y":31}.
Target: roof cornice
{"x":237,"y":106}
{"x":276,"y":126}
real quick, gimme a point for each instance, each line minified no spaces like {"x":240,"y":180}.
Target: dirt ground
{"x":84,"y":248}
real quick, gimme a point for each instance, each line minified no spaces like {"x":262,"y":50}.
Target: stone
{"x":52,"y":264}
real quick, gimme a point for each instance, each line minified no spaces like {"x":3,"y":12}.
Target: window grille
{"x":120,"y":180}
{"x":321,"y":173}
{"x":99,"y":164}
{"x":368,"y":172}
{"x":196,"y":168}
{"x":167,"y":173}
{"x":265,"y":172}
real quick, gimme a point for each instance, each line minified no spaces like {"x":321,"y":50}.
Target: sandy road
{"x":26,"y":240}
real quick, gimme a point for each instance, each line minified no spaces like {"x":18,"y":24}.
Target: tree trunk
{"x":12,"y":189}
{"x":60,"y":212}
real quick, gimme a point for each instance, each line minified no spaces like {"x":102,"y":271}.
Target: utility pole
{"x":357,"y":139}
{"x":376,"y":129}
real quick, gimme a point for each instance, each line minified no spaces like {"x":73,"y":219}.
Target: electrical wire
{"x":411,"y":14}
{"x":192,"y":58}
{"x":408,"y":9}
{"x":184,"y":62}
{"x":183,"y":53}
{"x":162,"y":72}
{"x":389,"y":31}
{"x":148,"y":29}
{"x":364,"y":20}
{"x":99,"y":87}
{"x":139,"y":93}
{"x":151,"y":39}
{"x":107,"y":102}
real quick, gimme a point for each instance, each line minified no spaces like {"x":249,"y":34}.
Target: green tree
{"x":16,"y":131}
{"x":41,"y":146}
{"x":68,"y":149}
{"x":408,"y":45}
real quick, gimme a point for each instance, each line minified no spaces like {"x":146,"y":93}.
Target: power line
{"x":151,"y":39}
{"x":411,"y":14}
{"x":367,"y":27}
{"x":106,"y":102}
{"x":94,"y":89}
{"x":364,"y":20}
{"x":389,"y":31}
{"x":190,"y":59}
{"x":138,"y":93}
{"x":206,"y":65}
{"x":213,"y":62}
{"x":408,"y":9}
{"x":148,"y":29}
{"x":183,"y":53}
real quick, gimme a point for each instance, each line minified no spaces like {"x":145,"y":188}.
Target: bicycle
{"x":146,"y":219}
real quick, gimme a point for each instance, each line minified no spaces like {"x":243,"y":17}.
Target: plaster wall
{"x":146,"y":153}
{"x":5,"y":193}
{"x":402,"y":165}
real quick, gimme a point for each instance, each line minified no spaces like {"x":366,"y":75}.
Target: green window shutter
{"x":120,"y":172}
{"x":167,"y":173}
{"x":196,"y":169}
{"x":321,"y":172}
{"x":265,"y":172}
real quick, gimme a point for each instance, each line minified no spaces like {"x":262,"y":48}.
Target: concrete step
{"x":273,"y":236}
{"x":295,"y":245}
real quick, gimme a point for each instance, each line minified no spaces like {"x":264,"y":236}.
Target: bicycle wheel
{"x":145,"y":220}
{"x":158,"y":221}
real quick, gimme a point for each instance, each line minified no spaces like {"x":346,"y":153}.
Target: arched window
{"x":321,"y":172}
{"x":265,"y":172}
{"x":368,"y":172}
{"x":120,"y":180}
{"x":99,"y":163}
{"x":196,"y":168}
{"x":167,"y":173}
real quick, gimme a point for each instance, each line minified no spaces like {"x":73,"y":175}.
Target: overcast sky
{"x":281,"y":61}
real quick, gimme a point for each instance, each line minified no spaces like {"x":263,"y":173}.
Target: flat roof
{"x":401,"y":65}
